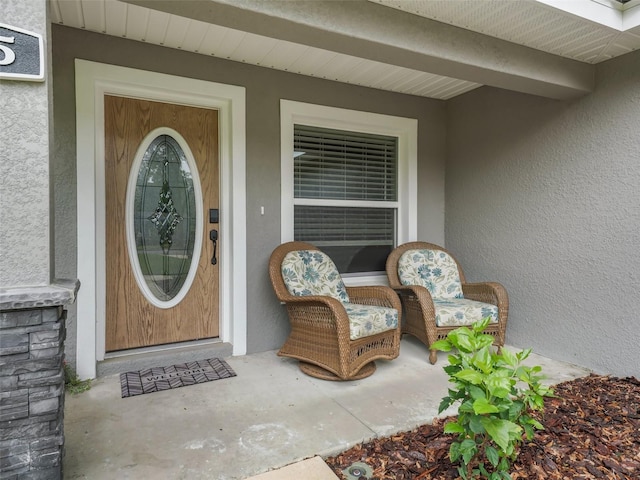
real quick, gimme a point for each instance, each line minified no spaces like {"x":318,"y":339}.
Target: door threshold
{"x":162,"y":356}
{"x":161,"y":348}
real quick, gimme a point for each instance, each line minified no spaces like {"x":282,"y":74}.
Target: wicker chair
{"x":430,"y":318}
{"x":322,"y":333}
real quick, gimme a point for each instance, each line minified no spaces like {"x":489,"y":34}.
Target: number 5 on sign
{"x":21,"y":54}
{"x":9,"y":54}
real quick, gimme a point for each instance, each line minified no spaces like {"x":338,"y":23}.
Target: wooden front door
{"x":161,"y":180}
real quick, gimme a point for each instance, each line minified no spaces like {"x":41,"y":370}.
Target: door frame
{"x":93,"y":81}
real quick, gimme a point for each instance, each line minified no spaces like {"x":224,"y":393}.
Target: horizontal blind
{"x":323,"y":225}
{"x":358,"y":239}
{"x":344,"y":165}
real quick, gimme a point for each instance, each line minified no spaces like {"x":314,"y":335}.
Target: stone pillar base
{"x":31,"y":388}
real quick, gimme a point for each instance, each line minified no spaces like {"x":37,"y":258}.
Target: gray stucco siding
{"x":544,"y":197}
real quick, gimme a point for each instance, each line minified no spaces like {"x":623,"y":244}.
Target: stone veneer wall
{"x":32,"y":387}
{"x":31,"y":393}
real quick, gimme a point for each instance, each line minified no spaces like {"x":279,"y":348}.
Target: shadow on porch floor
{"x":270,"y":415}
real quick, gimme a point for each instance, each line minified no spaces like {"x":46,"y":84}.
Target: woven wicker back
{"x":311,"y":272}
{"x":433,"y":269}
{"x":275,"y":267}
{"x":398,"y":252}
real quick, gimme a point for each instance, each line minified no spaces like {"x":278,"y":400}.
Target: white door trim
{"x":93,"y":81}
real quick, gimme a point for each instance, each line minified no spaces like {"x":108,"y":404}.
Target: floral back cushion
{"x":311,"y":272}
{"x":434,"y":269}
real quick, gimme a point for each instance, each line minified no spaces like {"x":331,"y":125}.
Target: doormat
{"x":157,"y":379}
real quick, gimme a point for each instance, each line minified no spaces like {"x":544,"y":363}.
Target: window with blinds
{"x":345,"y":195}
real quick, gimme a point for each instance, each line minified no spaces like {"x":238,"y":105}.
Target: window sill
{"x":358,"y":280}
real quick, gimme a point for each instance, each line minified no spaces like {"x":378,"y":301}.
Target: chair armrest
{"x":318,"y":308}
{"x":317,"y":300}
{"x":419,"y":297}
{"x":421,"y":293}
{"x":487,"y":292}
{"x":376,"y":295}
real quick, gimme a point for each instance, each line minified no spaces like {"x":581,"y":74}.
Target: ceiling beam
{"x":368,"y":30}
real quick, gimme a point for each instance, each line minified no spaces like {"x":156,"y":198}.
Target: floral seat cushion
{"x":456,"y":312}
{"x":435,"y":270}
{"x":311,"y":272}
{"x":366,"y":320}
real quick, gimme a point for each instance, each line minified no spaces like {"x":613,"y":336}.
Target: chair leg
{"x":433,"y":356}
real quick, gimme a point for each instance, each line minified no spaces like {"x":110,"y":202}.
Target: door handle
{"x":213,"y":235}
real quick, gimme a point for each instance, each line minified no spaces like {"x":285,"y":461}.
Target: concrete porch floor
{"x":269,"y":416}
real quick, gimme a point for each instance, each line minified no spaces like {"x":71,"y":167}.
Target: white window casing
{"x":406,"y":132}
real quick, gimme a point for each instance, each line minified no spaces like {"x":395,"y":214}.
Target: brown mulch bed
{"x":592,"y":431}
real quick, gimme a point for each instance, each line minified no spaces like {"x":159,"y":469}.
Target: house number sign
{"x":21,"y":54}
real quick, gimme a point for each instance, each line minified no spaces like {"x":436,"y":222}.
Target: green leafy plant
{"x":497,"y":395}
{"x":72,"y":382}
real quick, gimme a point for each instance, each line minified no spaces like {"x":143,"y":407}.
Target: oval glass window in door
{"x":164,"y":205}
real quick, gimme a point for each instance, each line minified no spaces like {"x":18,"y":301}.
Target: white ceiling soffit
{"x":585,"y":30}
{"x":431,"y":48}
{"x":134,"y":22}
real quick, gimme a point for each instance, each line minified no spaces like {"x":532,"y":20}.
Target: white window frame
{"x":405,"y":129}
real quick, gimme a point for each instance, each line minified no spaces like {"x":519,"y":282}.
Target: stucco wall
{"x":267,"y":321}
{"x":25,"y":258}
{"x":544,"y":197}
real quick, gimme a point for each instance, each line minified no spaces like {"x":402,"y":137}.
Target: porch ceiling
{"x":431,"y":48}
